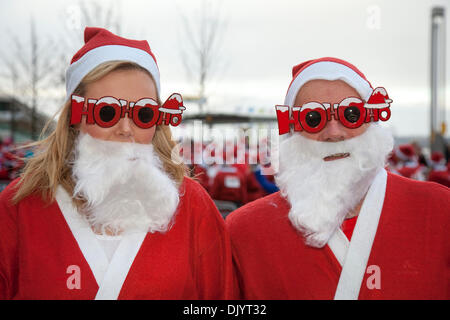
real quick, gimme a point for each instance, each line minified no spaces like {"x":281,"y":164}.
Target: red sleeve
{"x":8,"y":244}
{"x":216,"y":186}
{"x":243,"y":189}
{"x":215,"y":277}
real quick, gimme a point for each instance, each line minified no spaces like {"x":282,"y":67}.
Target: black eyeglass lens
{"x":352,"y":114}
{"x":313,"y":119}
{"x":145,"y":115}
{"x":107,"y":113}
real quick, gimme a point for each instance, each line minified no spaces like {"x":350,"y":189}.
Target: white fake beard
{"x":322,"y":193}
{"x":125,"y":186}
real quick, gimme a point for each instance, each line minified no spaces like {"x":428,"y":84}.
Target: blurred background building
{"x":15,"y":120}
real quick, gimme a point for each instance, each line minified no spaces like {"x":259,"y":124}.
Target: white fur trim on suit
{"x":328,"y":70}
{"x":120,"y":266}
{"x":109,"y":276}
{"x":339,"y":244}
{"x":357,"y":256}
{"x":79,"y":69}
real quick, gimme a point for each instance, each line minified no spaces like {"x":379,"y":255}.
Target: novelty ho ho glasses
{"x":352,"y":112}
{"x":145,"y":113}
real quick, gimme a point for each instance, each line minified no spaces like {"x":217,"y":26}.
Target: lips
{"x":336,"y":156}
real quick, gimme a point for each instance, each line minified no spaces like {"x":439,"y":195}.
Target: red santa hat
{"x":405,"y":152}
{"x":393,"y":159}
{"x":437,"y":158}
{"x":327,"y":69}
{"x":101,"y":46}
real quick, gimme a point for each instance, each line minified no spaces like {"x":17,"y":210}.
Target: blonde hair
{"x":50,"y":166}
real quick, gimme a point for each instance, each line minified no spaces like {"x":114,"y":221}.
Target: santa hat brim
{"x":79,"y":69}
{"x":172,"y":111}
{"x":328,"y":70}
{"x":376,"y":105}
{"x":401,"y":155}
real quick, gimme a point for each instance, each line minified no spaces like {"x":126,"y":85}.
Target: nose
{"x":334,"y":131}
{"x":124,"y":129}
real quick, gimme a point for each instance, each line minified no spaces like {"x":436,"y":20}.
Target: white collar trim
{"x":109,"y":276}
{"x":353,"y":256}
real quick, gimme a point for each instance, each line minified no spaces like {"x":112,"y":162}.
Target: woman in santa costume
{"x":341,"y":227}
{"x":105,"y":212}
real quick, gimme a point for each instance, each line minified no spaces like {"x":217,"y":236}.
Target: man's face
{"x":130,"y":85}
{"x":325,"y":175}
{"x":324,"y":91}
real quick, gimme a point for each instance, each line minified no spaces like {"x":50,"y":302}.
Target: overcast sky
{"x":389,"y":41}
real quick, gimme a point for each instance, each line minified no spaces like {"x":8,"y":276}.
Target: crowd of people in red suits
{"x":244,"y":182}
{"x":11,"y":160}
{"x":408,"y":160}
{"x":232,"y":180}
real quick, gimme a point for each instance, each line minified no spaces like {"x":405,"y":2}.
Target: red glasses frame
{"x":298,"y":116}
{"x":170,"y":113}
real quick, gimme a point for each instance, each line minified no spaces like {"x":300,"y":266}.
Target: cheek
{"x":144,"y":136}
{"x":96,"y":131}
{"x":346,"y":132}
{"x":312,"y":136}
{"x":358,"y":131}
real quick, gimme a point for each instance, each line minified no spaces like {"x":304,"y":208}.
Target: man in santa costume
{"x":229,"y":184}
{"x":105,"y":212}
{"x":341,"y":227}
{"x":409,"y":165}
{"x":439,"y":172}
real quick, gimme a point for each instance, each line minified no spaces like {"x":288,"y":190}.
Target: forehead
{"x":325,"y":91}
{"x":130,"y":85}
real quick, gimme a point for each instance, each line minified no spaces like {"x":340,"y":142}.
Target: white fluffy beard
{"x":322,"y":193}
{"x":124,"y":185}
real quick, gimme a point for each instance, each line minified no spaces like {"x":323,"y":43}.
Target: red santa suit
{"x":229,"y":185}
{"x":406,"y":258}
{"x":43,"y":247}
{"x":413,"y":170}
{"x":439,"y":172}
{"x":408,"y":162}
{"x":201,"y":175}
{"x":254,"y":188}
{"x":441,"y":176}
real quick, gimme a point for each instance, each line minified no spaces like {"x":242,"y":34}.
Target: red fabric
{"x":442,"y":177}
{"x":436,"y":156}
{"x":254,"y":188}
{"x":407,"y":150}
{"x":243,"y":168}
{"x":4,"y":174}
{"x":191,"y":261}
{"x":201,"y":175}
{"x":220,"y":191}
{"x":348,"y":226}
{"x":409,"y":172}
{"x":411,"y":248}
{"x":98,"y":37}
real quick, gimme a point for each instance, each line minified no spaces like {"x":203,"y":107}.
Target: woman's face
{"x":130,"y":85}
